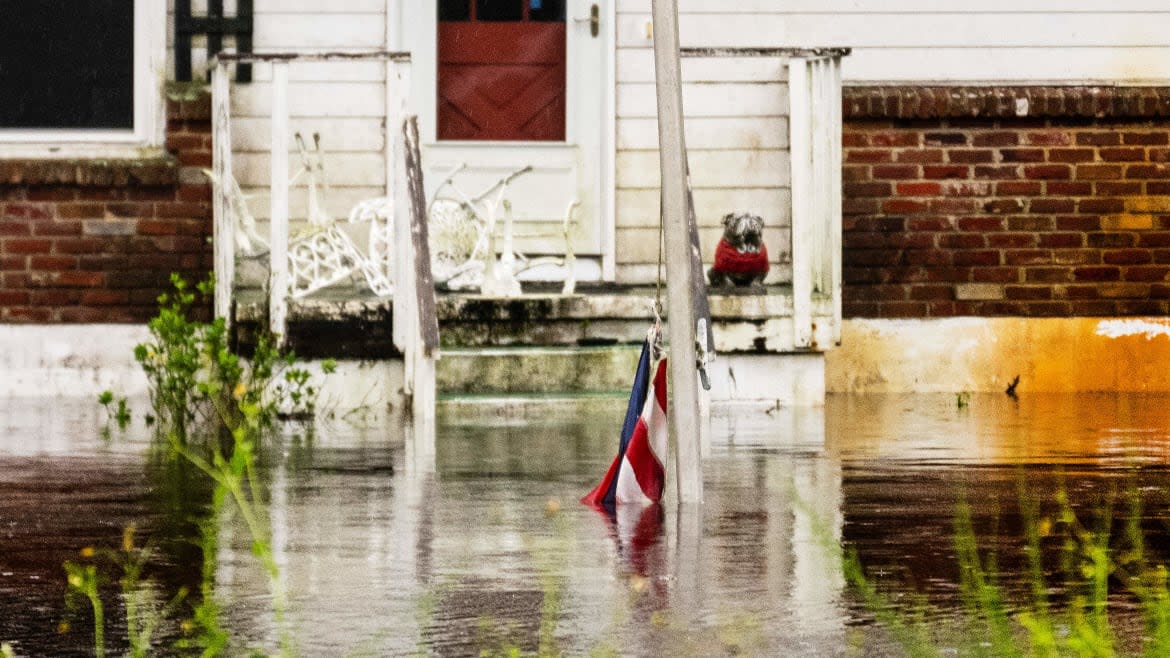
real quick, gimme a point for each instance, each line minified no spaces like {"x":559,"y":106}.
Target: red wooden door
{"x":501,"y":70}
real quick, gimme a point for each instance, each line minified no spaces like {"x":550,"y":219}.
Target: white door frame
{"x":414,"y":26}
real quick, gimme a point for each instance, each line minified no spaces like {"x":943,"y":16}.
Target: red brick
{"x":79,"y":245}
{"x":1018,"y":188}
{"x":1071,"y":155}
{"x":1140,"y":171}
{"x":13,"y":297}
{"x":1027,"y":292}
{"x":1022,"y":155}
{"x":868,"y":155}
{"x":849,"y":174}
{"x":52,"y":263}
{"x":967,"y":188}
{"x":1027,"y":257}
{"x":28,"y":314}
{"x":901,"y":206}
{"x":895,"y":172}
{"x":850,"y":190}
{"x":35,"y":211}
{"x":997,"y":172}
{"x":195,"y":159}
{"x":933,"y":259}
{"x":932,"y":293}
{"x":1067,"y":188}
{"x":1126,"y":188}
{"x":899,"y":138}
{"x":104,"y":297}
{"x":66,"y":227}
{"x":920,"y":155}
{"x":1047,"y":172}
{"x":1061,"y":240}
{"x":1011,"y":240}
{"x":859,"y":206}
{"x":1048,"y":138}
{"x":1147,"y":273}
{"x":1112,"y":240}
{"x":1097,"y":274}
{"x":1127,"y":257}
{"x":918,"y":189}
{"x":1047,"y":274}
{"x":1160,"y":138}
{"x":1100,"y":206}
{"x":1098,"y":138}
{"x":945,"y":138}
{"x":1098,"y":172}
{"x":851,"y":139}
{"x":81,"y":279}
{"x":1127,"y":154}
{"x":1052,"y":206}
{"x":995,"y":274}
{"x":970,"y":156}
{"x":939,"y":172}
{"x":977,"y":257}
{"x":1154,"y":239}
{"x":1076,"y":256}
{"x":80,"y":210}
{"x":995,"y":139}
{"x":1003,"y":206}
{"x":1094,"y":308}
{"x":929,"y":224}
{"x":14,"y":228}
{"x":55,"y":297}
{"x":903,"y":309}
{"x":26,"y":246}
{"x":194,"y":193}
{"x":961,"y":240}
{"x":981,"y":224}
{"x":952,"y":206}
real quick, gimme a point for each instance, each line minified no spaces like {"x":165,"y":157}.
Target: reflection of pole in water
{"x":817,"y":579}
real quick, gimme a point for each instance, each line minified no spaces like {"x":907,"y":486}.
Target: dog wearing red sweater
{"x":741,"y":258}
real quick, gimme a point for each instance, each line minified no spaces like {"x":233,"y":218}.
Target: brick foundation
{"x":97,"y":240}
{"x":1006,"y":201}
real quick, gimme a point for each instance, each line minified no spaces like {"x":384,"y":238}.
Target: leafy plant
{"x":117,"y":409}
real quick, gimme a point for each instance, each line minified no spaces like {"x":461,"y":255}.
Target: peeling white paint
{"x":1140,"y":327}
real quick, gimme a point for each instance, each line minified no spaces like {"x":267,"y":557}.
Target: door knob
{"x":594,"y":20}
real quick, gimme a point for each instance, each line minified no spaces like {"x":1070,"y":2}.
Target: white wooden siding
{"x":1020,"y":41}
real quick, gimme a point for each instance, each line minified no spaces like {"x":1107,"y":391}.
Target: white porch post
{"x":278,"y":283}
{"x":800,"y":152}
{"x":223,"y":242}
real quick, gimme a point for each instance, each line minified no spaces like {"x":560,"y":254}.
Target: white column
{"x":278,"y":284}
{"x":800,"y":152}
{"x":223,"y":224}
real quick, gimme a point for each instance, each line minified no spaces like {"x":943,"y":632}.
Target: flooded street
{"x":484,"y":547}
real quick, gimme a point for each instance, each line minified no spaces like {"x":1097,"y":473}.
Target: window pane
{"x":546,"y":10}
{"x":454,"y":10}
{"x":67,"y":65}
{"x":498,"y":10}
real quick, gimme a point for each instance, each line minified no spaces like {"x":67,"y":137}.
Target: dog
{"x":741,"y":258}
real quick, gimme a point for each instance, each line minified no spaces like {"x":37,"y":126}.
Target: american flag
{"x":638,"y":473}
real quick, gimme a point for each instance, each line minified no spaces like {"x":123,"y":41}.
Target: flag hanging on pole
{"x":638,"y":472}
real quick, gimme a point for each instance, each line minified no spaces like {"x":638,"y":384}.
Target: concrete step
{"x":536,"y":370}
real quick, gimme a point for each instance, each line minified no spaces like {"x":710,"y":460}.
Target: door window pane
{"x":546,"y":10}
{"x":454,"y":10}
{"x":499,"y":10}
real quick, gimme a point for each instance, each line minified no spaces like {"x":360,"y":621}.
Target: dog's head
{"x":744,"y":231}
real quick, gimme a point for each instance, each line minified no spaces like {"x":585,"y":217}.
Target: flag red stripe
{"x":647,"y":469}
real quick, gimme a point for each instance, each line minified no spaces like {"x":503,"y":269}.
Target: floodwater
{"x":387,"y":550}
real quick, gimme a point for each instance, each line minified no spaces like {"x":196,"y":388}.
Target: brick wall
{"x":1006,"y":201}
{"x":97,"y":240}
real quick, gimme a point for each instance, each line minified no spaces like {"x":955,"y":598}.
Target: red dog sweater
{"x":731,"y":261}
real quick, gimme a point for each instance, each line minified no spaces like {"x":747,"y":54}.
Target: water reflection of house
{"x":1025,"y":182}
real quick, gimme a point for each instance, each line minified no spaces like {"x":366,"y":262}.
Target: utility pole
{"x":684,"y":410}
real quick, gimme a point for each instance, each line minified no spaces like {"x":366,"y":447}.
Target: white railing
{"x":311,"y":270}
{"x":814,"y":125}
{"x":400,"y":254}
